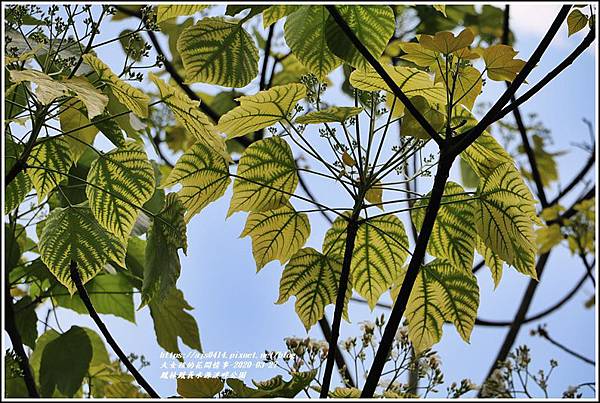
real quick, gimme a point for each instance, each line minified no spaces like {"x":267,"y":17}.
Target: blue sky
{"x":234,"y":306}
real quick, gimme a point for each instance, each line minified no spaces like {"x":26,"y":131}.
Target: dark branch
{"x":465,"y":140}
{"x":10,"y":325}
{"x":543,"y":333}
{"x":587,"y":41}
{"x":105,"y":332}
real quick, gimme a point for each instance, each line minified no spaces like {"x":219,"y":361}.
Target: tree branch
{"x":416,"y":260}
{"x":110,"y":340}
{"x":461,"y":143}
{"x":10,"y":326}
{"x":351,"y":231}
{"x":587,"y":41}
{"x":543,"y":333}
{"x":323,"y":322}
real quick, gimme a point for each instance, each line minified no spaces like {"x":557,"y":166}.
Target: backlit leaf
{"x":305,"y":35}
{"x":171,"y":321}
{"x":217,"y":50}
{"x":410,"y":125}
{"x":501,"y":64}
{"x":188,"y":114}
{"x":492,"y":261}
{"x":203,"y":175}
{"x":503,"y":218}
{"x":276,"y":234}
{"x":313,"y":279}
{"x":165,"y":237}
{"x":372,"y":25}
{"x":275,"y":387}
{"x":411,"y":81}
{"x":576,"y":21}
{"x":445,"y":42}
{"x":72,"y":233}
{"x":266,"y":177}
{"x":165,"y":12}
{"x":333,"y":114}
{"x":16,"y":190}
{"x":380,"y":249}
{"x":276,"y":12}
{"x":119,"y":182}
{"x":133,"y":98}
{"x":453,"y":235}
{"x":80,"y":132}
{"x":53,"y":154}
{"x":441,"y":293}
{"x":261,"y":110}
{"x":417,"y":54}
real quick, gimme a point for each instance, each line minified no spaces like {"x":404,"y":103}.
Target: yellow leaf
{"x":375,"y":194}
{"x":417,"y":54}
{"x":131,"y":97}
{"x":276,"y":234}
{"x":411,"y":127}
{"x":576,"y":21}
{"x":261,"y":110}
{"x":445,"y":42}
{"x":166,"y":12}
{"x":348,"y":160}
{"x":501,"y":64}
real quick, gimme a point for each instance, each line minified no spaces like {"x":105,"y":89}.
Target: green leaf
{"x":305,"y":35}
{"x":345,"y":393}
{"x":133,"y":98}
{"x":255,"y":9}
{"x":261,"y":110}
{"x":188,"y":114}
{"x":410,"y":125}
{"x":275,"y":387}
{"x":485,"y":154}
{"x":119,"y":182}
{"x":53,"y":154}
{"x":468,"y":175}
{"x":441,"y":294}
{"x":218,"y":50}
{"x":276,"y":234}
{"x":172,"y":321}
{"x":110,"y":294}
{"x":417,"y":54}
{"x":26,"y":320}
{"x":72,"y":233}
{"x":47,"y":89}
{"x":266,"y":177}
{"x":503,"y":218}
{"x":453,"y":235}
{"x":501,"y":64}
{"x":313,"y":279}
{"x":199,"y":387}
{"x":576,"y":21}
{"x":380,"y":249}
{"x":375,"y":194}
{"x":165,"y":237}
{"x":81,"y":134}
{"x":445,"y":42}
{"x":337,"y":114}
{"x":20,"y":186}
{"x":166,"y":12}
{"x":411,"y":81}
{"x":492,"y":261}
{"x":441,"y":8}
{"x":203,"y":175}
{"x":65,"y":362}
{"x":373,"y":26}
{"x":95,"y":101}
{"x":465,"y":85}
{"x":276,"y":12}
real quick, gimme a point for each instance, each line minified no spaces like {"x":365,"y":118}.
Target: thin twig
{"x":105,"y":332}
